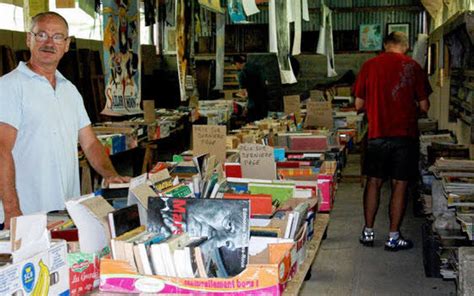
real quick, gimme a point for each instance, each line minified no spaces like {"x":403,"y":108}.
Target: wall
{"x":313,"y":69}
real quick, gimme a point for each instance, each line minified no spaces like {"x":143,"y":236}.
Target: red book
{"x":288,"y":164}
{"x":309,"y":143}
{"x":233,"y":170}
{"x":260,"y":204}
{"x":70,"y":235}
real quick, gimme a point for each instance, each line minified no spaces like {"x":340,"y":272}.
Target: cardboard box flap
{"x":29,"y":236}
{"x":89,"y":214}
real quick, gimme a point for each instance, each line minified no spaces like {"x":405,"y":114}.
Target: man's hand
{"x":10,"y":213}
{"x":116,"y":179}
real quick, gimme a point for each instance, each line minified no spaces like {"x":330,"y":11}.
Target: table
{"x":320,"y":227}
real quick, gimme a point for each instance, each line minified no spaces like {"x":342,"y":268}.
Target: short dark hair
{"x":41,"y":15}
{"x":239,"y":58}
{"x":396,"y":38}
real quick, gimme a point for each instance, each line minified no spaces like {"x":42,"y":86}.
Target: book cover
{"x":224,"y":222}
{"x":279,"y":192}
{"x":123,"y":220}
{"x":233,"y":170}
{"x":260,"y":204}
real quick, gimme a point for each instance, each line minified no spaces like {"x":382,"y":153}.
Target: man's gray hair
{"x":41,"y":15}
{"x":396,"y":38}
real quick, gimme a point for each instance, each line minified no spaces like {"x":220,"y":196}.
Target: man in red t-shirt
{"x":391,"y":88}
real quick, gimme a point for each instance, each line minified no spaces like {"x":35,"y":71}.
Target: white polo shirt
{"x":48,"y":122}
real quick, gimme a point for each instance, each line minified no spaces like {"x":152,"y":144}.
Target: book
{"x":157,"y":261}
{"x":123,"y":220}
{"x":142,"y":259}
{"x":260,"y":204}
{"x":233,"y":170}
{"x":265,"y":231}
{"x":167,"y":252}
{"x":122,"y":246}
{"x":195,"y":260}
{"x":224,"y":222}
{"x":279,"y":192}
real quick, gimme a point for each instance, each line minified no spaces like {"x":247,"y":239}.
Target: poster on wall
{"x":370,"y":37}
{"x":121,"y":57}
{"x":236,"y":11}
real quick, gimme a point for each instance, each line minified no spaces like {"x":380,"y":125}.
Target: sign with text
{"x":316,"y":95}
{"x":319,"y":114}
{"x":292,"y":104}
{"x":210,"y":139}
{"x":257,"y":161}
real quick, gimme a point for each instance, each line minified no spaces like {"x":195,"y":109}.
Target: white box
{"x":52,"y":273}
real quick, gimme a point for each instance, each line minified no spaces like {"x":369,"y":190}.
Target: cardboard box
{"x":45,"y":273}
{"x":267,"y":274}
{"x":84,"y":271}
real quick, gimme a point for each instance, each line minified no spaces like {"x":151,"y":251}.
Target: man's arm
{"x":359,"y":104}
{"x":97,"y":157}
{"x":424,"y":105}
{"x":8,"y":194}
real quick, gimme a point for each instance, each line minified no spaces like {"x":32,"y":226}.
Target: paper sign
{"x":257,"y":161}
{"x":149,"y":110}
{"x":292,"y":104}
{"x":210,"y":139}
{"x":65,"y":4}
{"x":319,"y":114}
{"x":316,"y":95}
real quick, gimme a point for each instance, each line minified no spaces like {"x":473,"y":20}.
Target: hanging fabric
{"x":220,"y":50}
{"x":250,"y":7}
{"x":88,"y":7}
{"x":283,"y":42}
{"x":272,"y":27}
{"x":213,"y":5}
{"x":325,"y":42}
{"x":297,"y":36}
{"x":150,"y":8}
{"x":305,"y":10}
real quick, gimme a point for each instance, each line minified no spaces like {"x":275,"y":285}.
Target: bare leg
{"x":371,"y":200}
{"x":397,"y":204}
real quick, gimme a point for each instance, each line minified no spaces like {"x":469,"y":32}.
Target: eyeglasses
{"x":43,"y":36}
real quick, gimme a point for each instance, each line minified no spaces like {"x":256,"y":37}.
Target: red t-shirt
{"x":391,"y":84}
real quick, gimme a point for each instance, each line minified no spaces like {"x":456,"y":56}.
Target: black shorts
{"x":395,"y":158}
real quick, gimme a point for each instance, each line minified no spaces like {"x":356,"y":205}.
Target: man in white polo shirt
{"x":42,"y":118}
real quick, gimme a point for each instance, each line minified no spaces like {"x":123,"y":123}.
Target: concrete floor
{"x":344,"y":267}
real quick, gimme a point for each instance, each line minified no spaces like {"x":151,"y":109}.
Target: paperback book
{"x":224,"y":222}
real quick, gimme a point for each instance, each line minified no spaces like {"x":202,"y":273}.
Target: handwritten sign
{"x":257,"y":161}
{"x":292,"y":105}
{"x":210,"y":139}
{"x":319,"y":114}
{"x":316,"y":95}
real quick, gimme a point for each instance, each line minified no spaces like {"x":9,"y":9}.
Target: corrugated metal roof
{"x":350,"y":20}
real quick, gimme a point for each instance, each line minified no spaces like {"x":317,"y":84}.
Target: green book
{"x":279,"y":192}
